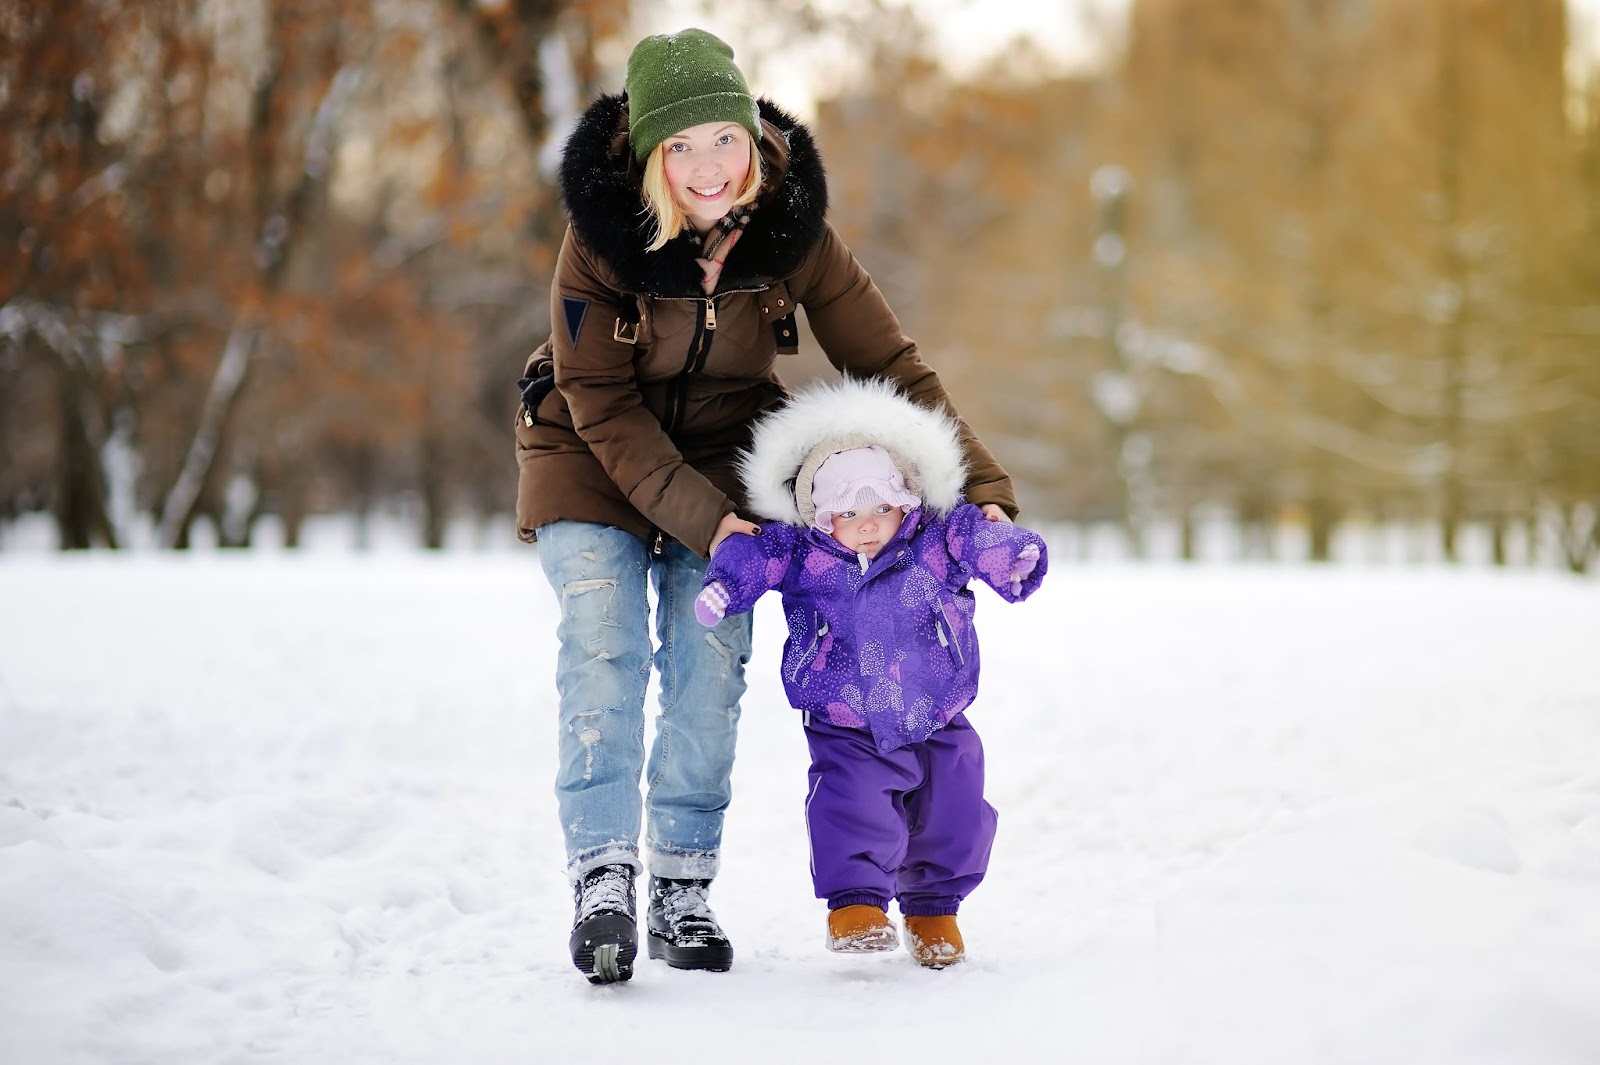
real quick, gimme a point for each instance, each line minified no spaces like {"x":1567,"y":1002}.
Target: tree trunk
{"x":82,"y":520}
{"x":226,"y":385}
{"x":1320,"y":522}
{"x":435,"y":505}
{"x":281,"y":222}
{"x":1579,"y":535}
{"x":1452,"y":285}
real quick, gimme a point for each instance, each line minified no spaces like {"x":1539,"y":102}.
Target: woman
{"x":697,"y":226}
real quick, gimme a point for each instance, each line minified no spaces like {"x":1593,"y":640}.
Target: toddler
{"x":872,"y":550}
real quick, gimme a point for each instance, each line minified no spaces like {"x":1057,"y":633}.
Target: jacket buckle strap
{"x":786,"y":335}
{"x":625,"y":332}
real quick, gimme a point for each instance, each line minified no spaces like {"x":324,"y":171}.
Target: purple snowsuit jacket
{"x":890,"y":650}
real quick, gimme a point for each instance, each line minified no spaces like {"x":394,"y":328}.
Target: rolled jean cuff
{"x":684,"y":865}
{"x":858,"y":898}
{"x":611,"y":854}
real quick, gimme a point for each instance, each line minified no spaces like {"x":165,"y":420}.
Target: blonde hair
{"x":663,"y":206}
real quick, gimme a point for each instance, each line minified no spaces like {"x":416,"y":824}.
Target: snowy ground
{"x":297,"y":810}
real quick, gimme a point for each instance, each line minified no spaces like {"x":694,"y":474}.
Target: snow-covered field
{"x":298,"y":810}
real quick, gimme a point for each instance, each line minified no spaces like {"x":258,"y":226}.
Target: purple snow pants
{"x":909,"y":824}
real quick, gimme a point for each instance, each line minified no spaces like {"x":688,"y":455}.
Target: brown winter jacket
{"x":655,"y":385}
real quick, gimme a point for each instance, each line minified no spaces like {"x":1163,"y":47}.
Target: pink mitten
{"x":711,"y":605}
{"x":1027,"y":561}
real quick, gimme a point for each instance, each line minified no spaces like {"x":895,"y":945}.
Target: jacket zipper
{"x":705,"y":328}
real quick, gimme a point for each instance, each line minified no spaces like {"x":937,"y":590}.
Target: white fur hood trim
{"x":847,"y":413}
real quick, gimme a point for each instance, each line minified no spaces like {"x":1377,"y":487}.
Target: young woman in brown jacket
{"x":697,"y":228}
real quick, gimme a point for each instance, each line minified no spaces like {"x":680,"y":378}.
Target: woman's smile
{"x":706,"y":168}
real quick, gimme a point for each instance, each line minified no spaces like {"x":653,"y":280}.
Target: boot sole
{"x":939,"y":962}
{"x":604,"y":948}
{"x":715,"y":958}
{"x":877,"y":941}
{"x":935,"y":955}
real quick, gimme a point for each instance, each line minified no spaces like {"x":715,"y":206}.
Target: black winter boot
{"x":605,"y":931}
{"x":682,"y":929}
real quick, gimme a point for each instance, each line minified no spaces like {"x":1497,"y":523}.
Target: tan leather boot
{"x":935,"y":941}
{"x":860,"y":930}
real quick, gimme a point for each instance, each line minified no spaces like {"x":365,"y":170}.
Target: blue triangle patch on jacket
{"x":576,"y":311}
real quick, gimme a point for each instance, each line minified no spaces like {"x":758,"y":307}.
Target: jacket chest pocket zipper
{"x":810,"y":652}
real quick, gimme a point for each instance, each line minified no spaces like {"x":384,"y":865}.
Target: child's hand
{"x":1027,"y":561}
{"x":711,"y":605}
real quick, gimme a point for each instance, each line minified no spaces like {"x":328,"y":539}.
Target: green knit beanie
{"x":678,"y":80}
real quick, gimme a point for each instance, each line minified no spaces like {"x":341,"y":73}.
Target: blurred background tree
{"x":1315,"y":264}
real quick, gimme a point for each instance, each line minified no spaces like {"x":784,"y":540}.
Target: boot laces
{"x":607,"y":890}
{"x":687,"y":908}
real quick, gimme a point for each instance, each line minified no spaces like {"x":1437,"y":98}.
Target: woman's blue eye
{"x":678,"y":147}
{"x":726,"y":138}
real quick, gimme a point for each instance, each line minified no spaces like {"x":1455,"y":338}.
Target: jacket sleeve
{"x":750,"y":566}
{"x":595,"y":373}
{"x":988,"y":550}
{"x":861,"y":336}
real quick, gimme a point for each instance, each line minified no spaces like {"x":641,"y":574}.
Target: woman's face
{"x":706,"y":166}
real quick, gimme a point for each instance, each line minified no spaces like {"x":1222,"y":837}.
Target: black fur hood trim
{"x":599,"y":186}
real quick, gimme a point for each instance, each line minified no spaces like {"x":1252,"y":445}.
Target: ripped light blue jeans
{"x":602,"y":576}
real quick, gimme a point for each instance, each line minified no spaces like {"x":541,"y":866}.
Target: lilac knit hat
{"x":856,"y":479}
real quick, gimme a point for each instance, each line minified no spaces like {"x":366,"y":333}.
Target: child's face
{"x":866,"y":531}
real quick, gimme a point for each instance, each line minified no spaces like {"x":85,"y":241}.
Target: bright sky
{"x":1072,"y":33}
{"x":969,"y":32}
{"x":1070,"y":29}
{"x":1584,"y":28}
{"x":1586,"y":22}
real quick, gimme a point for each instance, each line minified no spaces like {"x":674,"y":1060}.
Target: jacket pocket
{"x":673,"y":327}
{"x":538,"y":381}
{"x":944,"y":627}
{"x":819,"y":629}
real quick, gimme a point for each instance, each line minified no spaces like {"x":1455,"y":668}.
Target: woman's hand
{"x":731,"y":523}
{"x":991,"y":511}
